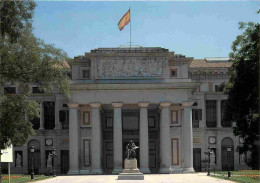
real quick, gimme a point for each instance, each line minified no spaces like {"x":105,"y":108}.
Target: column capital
{"x":143,"y":104}
{"x":73,"y":105}
{"x":187,"y":104}
{"x":165,"y":104}
{"x":117,"y":105}
{"x":95,"y":105}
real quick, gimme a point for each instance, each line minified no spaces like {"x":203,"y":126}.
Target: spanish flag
{"x":124,"y":20}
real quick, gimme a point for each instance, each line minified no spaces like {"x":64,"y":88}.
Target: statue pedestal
{"x":131,"y":172}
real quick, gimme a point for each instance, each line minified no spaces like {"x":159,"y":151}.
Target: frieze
{"x":136,"y":68}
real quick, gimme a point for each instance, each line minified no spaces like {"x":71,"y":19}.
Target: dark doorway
{"x":227,"y":157}
{"x":36,"y":157}
{"x":108,"y":148}
{"x":154,"y":140}
{"x":64,"y":161}
{"x":197,"y":159}
{"x":130,"y":125}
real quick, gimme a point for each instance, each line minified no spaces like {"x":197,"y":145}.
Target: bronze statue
{"x":130,"y":150}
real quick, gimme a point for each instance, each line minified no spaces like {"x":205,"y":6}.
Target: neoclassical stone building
{"x":170,"y":105}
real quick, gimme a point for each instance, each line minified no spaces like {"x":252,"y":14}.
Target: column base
{"x":165,"y":170}
{"x":145,"y":170}
{"x":188,"y":170}
{"x":73,"y":172}
{"x":84,"y":172}
{"x":96,"y":171}
{"x":176,"y":170}
{"x":117,"y":170}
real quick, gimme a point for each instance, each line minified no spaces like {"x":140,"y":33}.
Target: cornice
{"x":139,"y":86}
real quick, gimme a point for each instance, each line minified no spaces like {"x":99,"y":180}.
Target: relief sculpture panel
{"x":131,"y":68}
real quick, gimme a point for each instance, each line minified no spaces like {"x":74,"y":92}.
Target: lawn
{"x":20,"y":178}
{"x":242,"y":176}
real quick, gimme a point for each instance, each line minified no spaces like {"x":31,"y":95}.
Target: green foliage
{"x":25,"y":60}
{"x":242,"y":89}
{"x":15,"y":15}
{"x":16,"y":111}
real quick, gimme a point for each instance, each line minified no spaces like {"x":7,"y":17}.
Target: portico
{"x":130,"y":96}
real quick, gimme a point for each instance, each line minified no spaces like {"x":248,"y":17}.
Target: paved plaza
{"x":152,"y":178}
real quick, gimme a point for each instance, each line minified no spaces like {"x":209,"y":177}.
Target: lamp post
{"x":53,"y":155}
{"x":209,"y":153}
{"x":229,"y":149}
{"x":32,"y":151}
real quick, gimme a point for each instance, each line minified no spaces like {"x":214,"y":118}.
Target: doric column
{"x":41,"y":115}
{"x":144,"y":139}
{"x":73,"y":138}
{"x":219,"y":113}
{"x":96,"y":139}
{"x":57,"y":115}
{"x":203,"y":122}
{"x":165,"y":138}
{"x":117,"y":138}
{"x":187,"y":138}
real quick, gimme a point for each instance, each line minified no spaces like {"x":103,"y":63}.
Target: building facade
{"x":170,"y":105}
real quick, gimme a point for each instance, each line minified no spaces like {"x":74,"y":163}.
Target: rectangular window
{"x":37,"y":90}
{"x":175,"y":151}
{"x":223,"y":122}
{"x":196,"y":117}
{"x":9,"y":90}
{"x":173,"y":72}
{"x":49,"y":115}
{"x":219,"y":88}
{"x":174,"y":117}
{"x":86,"y":73}
{"x":86,"y":118}
{"x":86,"y":144}
{"x":211,"y":113}
{"x":64,"y":118}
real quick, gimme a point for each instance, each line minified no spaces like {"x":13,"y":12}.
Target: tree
{"x":24,"y":60}
{"x":15,"y":15}
{"x":242,"y":89}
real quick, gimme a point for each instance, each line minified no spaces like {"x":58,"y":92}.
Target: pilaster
{"x":219,"y":113}
{"x":41,"y":115}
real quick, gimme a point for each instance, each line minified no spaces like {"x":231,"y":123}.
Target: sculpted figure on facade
{"x":130,"y":150}
{"x":18,"y":160}
{"x":129,"y":68}
{"x":212,"y":158}
{"x":49,"y":161}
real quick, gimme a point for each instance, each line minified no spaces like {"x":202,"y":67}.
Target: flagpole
{"x":130,"y":25}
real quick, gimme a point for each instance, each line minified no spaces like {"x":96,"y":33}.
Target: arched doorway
{"x":227,"y":154}
{"x":36,"y":157}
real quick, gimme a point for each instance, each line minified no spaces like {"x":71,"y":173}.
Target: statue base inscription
{"x":131,"y":172}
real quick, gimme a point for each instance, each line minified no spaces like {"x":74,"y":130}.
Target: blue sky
{"x":195,"y":29}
